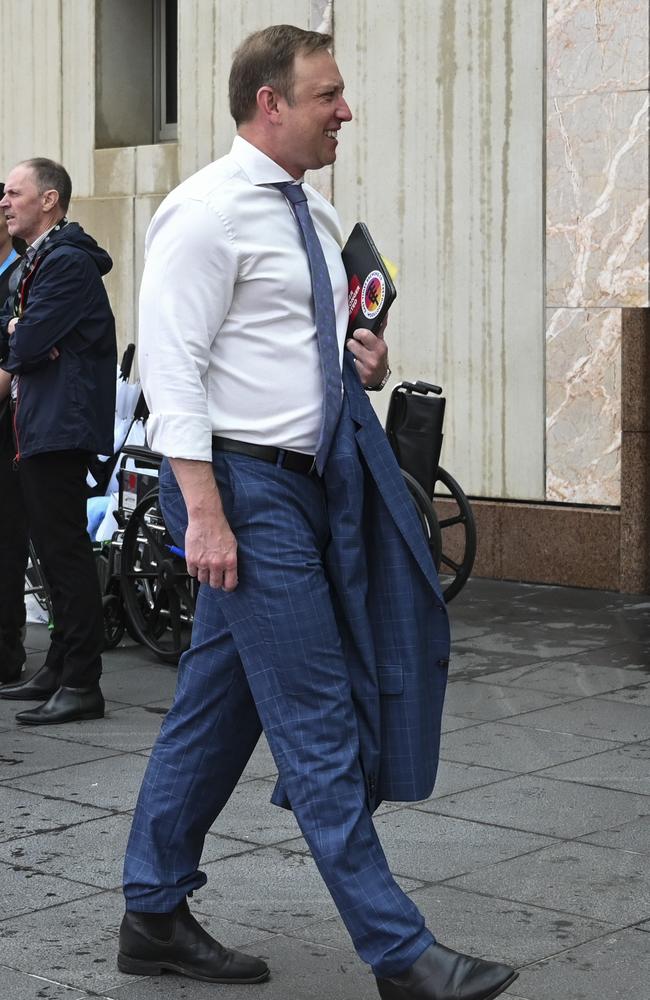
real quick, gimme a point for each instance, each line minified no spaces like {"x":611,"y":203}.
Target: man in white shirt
{"x":320,"y":617}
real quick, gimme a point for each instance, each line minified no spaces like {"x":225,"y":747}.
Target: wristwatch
{"x":377,"y":388}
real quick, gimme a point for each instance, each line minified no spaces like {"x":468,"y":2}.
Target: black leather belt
{"x":293,"y":461}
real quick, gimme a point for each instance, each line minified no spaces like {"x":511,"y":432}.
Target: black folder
{"x":371,"y":291}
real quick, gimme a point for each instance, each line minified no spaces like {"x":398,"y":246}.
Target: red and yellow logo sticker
{"x":373,"y":294}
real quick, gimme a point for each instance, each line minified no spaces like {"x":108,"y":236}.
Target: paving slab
{"x":74,"y":943}
{"x":509,"y":747}
{"x":140,"y":685}
{"x":25,"y":891}
{"x":107,"y":782}
{"x":633,"y":836}
{"x":26,"y":814}
{"x":595,"y":882}
{"x":626,"y":768}
{"x":614,"y":967}
{"x":261,"y":763}
{"x":490,"y":927}
{"x":598,"y":717}
{"x":488,"y":702}
{"x":542,"y":643}
{"x":23,"y":986}
{"x":93,"y":852}
{"x":26,"y":751}
{"x":128,"y":728}
{"x":455,"y":777}
{"x":429,"y":847}
{"x":271,"y":889}
{"x":633,"y":694}
{"x":250,"y":817}
{"x":470,"y":663}
{"x":544,"y":806}
{"x":583,"y":674}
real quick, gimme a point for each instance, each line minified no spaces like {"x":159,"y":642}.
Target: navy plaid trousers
{"x":270,"y":655}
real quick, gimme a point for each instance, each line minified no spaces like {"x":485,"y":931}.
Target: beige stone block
{"x":596,"y":46}
{"x":145,"y":206}
{"x":209,"y":33}
{"x":77,"y":90}
{"x":114,"y":171}
{"x":110,"y":221}
{"x":156,"y":168}
{"x":583,"y":406}
{"x":597,"y":201}
{"x":444,"y":163}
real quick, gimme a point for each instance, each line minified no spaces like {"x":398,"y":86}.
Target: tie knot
{"x":292,"y":192}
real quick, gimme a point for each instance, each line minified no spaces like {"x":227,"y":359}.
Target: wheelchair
{"x":147,"y":590}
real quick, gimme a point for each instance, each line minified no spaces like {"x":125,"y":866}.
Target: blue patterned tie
{"x":325,"y":316}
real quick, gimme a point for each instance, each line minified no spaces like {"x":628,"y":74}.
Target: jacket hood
{"x":73,"y":235}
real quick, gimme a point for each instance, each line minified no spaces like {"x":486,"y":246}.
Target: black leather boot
{"x":38,"y":687}
{"x":443,"y":974}
{"x":66,"y":705}
{"x":153,"y":943}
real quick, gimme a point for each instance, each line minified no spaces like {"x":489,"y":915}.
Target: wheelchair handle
{"x":424,"y":388}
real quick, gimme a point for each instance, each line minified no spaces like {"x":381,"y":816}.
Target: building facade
{"x":499,"y":155}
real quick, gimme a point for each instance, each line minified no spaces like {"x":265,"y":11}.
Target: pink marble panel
{"x":583,"y":406}
{"x":597,"y":200}
{"x":597,"y":46}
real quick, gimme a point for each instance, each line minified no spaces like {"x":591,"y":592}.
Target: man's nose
{"x":343,"y":111}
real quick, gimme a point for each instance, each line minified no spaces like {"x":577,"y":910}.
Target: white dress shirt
{"x":227,"y":341}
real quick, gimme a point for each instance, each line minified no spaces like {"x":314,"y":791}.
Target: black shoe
{"x":12,"y":657}
{"x":152,"y":943}
{"x":66,"y":705}
{"x":39,"y":687}
{"x":442,"y":974}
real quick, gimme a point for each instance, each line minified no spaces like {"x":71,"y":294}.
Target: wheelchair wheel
{"x":458,"y":531}
{"x":427,"y":515}
{"x":113,"y":620}
{"x":159,"y":597}
{"x":36,"y":584}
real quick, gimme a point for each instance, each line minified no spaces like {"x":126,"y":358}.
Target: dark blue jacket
{"x":68,"y":403}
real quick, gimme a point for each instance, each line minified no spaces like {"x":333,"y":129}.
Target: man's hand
{"x":370,"y":353}
{"x":211,"y":551}
{"x":210,"y":546}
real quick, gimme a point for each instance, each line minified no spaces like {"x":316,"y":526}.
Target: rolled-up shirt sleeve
{"x":187,"y":288}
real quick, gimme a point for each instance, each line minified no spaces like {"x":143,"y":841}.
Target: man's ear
{"x":267,"y":102}
{"x":50,"y":199}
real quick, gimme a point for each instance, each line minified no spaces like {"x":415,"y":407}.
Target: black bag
{"x":414,"y":428}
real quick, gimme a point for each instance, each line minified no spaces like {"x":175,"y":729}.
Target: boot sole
{"x":82,"y":717}
{"x":505,"y":986}
{"x":141,"y":967}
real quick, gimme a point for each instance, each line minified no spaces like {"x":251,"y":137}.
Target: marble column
{"x":597,"y":277}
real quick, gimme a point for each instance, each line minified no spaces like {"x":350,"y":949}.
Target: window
{"x":136,"y":72}
{"x":165,"y":69}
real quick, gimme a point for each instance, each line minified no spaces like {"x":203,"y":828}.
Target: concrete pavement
{"x":534,"y":849}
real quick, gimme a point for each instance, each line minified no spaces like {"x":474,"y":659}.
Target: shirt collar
{"x":258,"y":167}
{"x":30,"y":252}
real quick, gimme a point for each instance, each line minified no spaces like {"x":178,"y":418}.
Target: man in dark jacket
{"x":13,"y":523}
{"x":58,"y":341}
